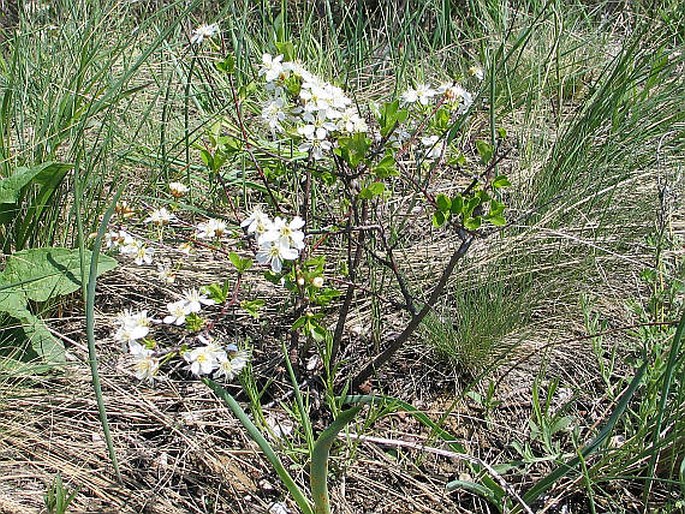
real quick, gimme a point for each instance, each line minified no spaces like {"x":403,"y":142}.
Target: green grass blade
{"x":674,"y":352}
{"x":319,"y":468}
{"x":545,"y":483}
{"x":90,"y":328}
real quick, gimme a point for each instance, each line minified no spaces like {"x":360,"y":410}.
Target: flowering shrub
{"x":354,"y":157}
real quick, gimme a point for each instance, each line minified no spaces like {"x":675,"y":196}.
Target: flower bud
{"x":318,"y":282}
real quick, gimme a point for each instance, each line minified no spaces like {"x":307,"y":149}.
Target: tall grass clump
{"x":598,"y":130}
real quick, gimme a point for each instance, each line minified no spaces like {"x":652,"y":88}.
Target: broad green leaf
{"x":44,"y":273}
{"x":390,"y":115}
{"x":11,"y":186}
{"x":498,"y":220}
{"x":227,"y":65}
{"x":47,"y":346}
{"x":472,"y":223}
{"x":496,"y":208}
{"x":500,"y":181}
{"x":252,"y":307}
{"x":438,"y":219}
{"x":457,"y":206}
{"x":242,"y":264}
{"x":353,"y":148}
{"x":386,"y":167}
{"x":12,"y":302}
{"x":443,"y":202}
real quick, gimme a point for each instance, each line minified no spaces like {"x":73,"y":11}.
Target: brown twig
{"x":382,"y":358}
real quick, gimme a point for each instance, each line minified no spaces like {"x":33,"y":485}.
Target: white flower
{"x":129,"y":246}
{"x":117,"y":239}
{"x":273,"y":113}
{"x":287,"y":234}
{"x":203,"y":360}
{"x":316,"y":97}
{"x":160,"y":216}
{"x":132,"y":326}
{"x":477,"y":72}
{"x":165,"y":274}
{"x":456,"y":97}
{"x":272,"y":67}
{"x":185,"y":248}
{"x":145,"y":366}
{"x":177,"y":313}
{"x":316,"y":147}
{"x":318,"y":126}
{"x":257,"y":222}
{"x":143,"y":255}
{"x":351,"y":122}
{"x":211,"y":229}
{"x":433,"y":149}
{"x":231,"y":367}
{"x":178,"y":189}
{"x":194,"y":300}
{"x":423,"y":94}
{"x":297,"y":69}
{"x":274,"y":253}
{"x":317,"y":282}
{"x":202,"y":32}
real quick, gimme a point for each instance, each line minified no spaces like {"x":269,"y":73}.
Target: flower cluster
{"x":128,"y":245}
{"x":210,"y":229}
{"x":211,"y":358}
{"x":457,"y":98}
{"x":191,"y":303}
{"x":132,"y":326}
{"x":133,"y":329}
{"x":307,"y":106}
{"x":278,"y":240}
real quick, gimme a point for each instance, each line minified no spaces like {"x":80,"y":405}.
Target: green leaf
{"x":11,"y":186}
{"x":12,"y":302}
{"x":373,"y":189}
{"x":256,"y":435}
{"x":286,"y":48}
{"x":439,"y":219}
{"x":386,"y":167}
{"x":318,"y":478}
{"x":216,"y":292}
{"x":472,"y":223}
{"x":242,"y":264}
{"x":457,"y":206}
{"x":353,"y":148}
{"x":471,"y":206}
{"x":496,"y":208}
{"x":227,"y":65}
{"x":485,"y":151}
{"x":500,"y":181}
{"x":497,"y":220}
{"x":390,"y":115}
{"x":546,"y":482}
{"x":252,"y":307}
{"x":43,"y":273}
{"x":48,"y":347}
{"x":441,"y":120}
{"x":443,"y":202}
